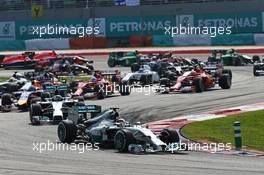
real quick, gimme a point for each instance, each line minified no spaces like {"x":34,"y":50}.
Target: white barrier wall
{"x":259,"y":39}
{"x":47,"y":44}
{"x":192,"y":40}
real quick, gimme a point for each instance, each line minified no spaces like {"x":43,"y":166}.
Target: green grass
{"x":4,"y":78}
{"x":221,"y":130}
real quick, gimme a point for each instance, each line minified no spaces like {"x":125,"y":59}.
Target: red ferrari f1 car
{"x":100,"y":86}
{"x":196,"y":80}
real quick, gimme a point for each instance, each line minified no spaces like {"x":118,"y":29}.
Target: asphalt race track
{"x":17,"y":136}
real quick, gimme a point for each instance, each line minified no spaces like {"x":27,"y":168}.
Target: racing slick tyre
{"x":6,"y":100}
{"x":225,"y":82}
{"x":90,"y":67}
{"x":114,"y":79}
{"x":255,"y":68}
{"x":199,"y":84}
{"x":256,"y":58}
{"x":123,"y":138}
{"x":169,"y":135}
{"x":145,"y":80}
{"x":111,"y":63}
{"x":67,"y":131}
{"x":228,"y":71}
{"x":124,"y":89}
{"x":165,"y":82}
{"x":35,"y":99}
{"x":12,"y":88}
{"x":238,"y":61}
{"x":172,"y":75}
{"x":101,"y":91}
{"x":135,"y":67}
{"x":74,"y":85}
{"x":35,"y":110}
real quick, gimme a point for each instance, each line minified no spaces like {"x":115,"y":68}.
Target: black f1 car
{"x":258,"y":68}
{"x":108,"y":130}
{"x":13,"y":84}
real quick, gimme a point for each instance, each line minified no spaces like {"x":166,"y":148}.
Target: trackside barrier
{"x":233,"y":39}
{"x":259,"y":39}
{"x":206,"y":40}
{"x":238,"y":139}
{"x":162,"y":40}
{"x":156,"y":40}
{"x":12,"y":45}
{"x":47,"y":44}
{"x":192,"y":40}
{"x":88,"y":42}
{"x":140,"y":41}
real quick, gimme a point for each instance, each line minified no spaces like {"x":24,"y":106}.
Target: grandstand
{"x":126,"y":25}
{"x":51,"y":4}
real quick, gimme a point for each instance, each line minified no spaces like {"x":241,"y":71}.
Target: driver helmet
{"x":202,"y":65}
{"x":170,"y":64}
{"x":15,"y":74}
{"x":141,"y":69}
{"x":19,"y":75}
{"x":35,"y":83}
{"x":57,"y":98}
{"x":196,"y":67}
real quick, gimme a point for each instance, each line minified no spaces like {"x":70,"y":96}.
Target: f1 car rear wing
{"x":89,"y":109}
{"x":107,"y":74}
{"x":79,"y":111}
{"x":50,"y":88}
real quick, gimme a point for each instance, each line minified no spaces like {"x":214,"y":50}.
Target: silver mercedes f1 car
{"x":108,"y":130}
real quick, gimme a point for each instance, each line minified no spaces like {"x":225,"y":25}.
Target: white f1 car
{"x":107,"y":129}
{"x":258,"y":68}
{"x":144,"y":76}
{"x":51,"y":110}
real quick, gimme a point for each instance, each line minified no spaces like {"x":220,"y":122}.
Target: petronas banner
{"x":239,"y":22}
